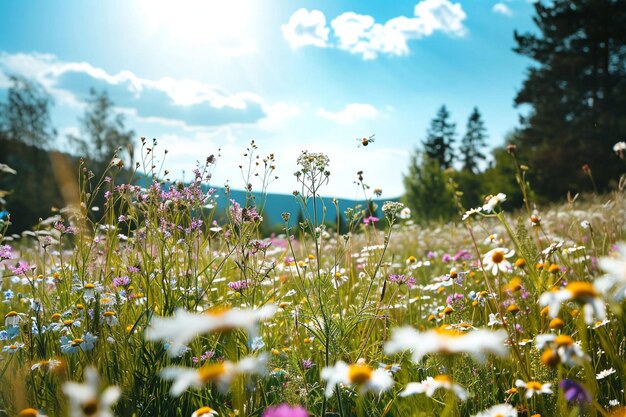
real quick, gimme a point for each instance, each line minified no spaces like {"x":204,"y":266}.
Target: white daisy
{"x":533,"y":387}
{"x":580,"y":291}
{"x":447,"y":341}
{"x":220,"y":373}
{"x":204,"y":412}
{"x":430,"y":385}
{"x":184,"y":326}
{"x":500,"y":410}
{"x":495,"y":260}
{"x":360,"y":374}
{"x":605,"y":373}
{"x":84,"y":398}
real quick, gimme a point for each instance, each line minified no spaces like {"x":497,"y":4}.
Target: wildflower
{"x":204,"y":412}
{"x":370,"y":219}
{"x":619,"y":149}
{"x":582,"y":292}
{"x":257,"y":343}
{"x":21,"y":268}
{"x":405,"y":213}
{"x":86,"y":343}
{"x":30,"y":412}
{"x":469,"y":213}
{"x":391,"y":208}
{"x":285,"y":410}
{"x":475,"y":343}
{"x":239,"y":286}
{"x":493,"y":201}
{"x":533,"y":387}
{"x":13,"y":347}
{"x":220,"y":373}
{"x":184,"y":326}
{"x":614,"y":282}
{"x":359,"y":374}
{"x":495,"y":260}
{"x":390,"y":369}
{"x":574,"y":392}
{"x":605,"y":373}
{"x":85,"y":400}
{"x":500,"y":410}
{"x":12,"y":318}
{"x":6,"y":252}
{"x":110,"y":318}
{"x":47,"y":365}
{"x":562,"y":348}
{"x":307,"y":364}
{"x":430,"y":385}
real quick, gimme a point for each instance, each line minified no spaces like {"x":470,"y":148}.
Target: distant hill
{"x":48,"y":179}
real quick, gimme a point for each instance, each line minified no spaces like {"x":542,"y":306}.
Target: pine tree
{"x":473,"y":141}
{"x":440,"y":138}
{"x":576,"y":90}
{"x":426,"y":190}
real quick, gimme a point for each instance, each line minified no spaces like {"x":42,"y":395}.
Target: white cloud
{"x":350,"y":114}
{"x":502,"y":9}
{"x":306,"y":28}
{"x":185,"y":103}
{"x":362,"y":35}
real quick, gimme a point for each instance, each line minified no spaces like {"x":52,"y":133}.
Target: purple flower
{"x":285,"y":410}
{"x":20,"y":268}
{"x":307,"y":363}
{"x":6,"y":252}
{"x":370,"y":219}
{"x":574,"y":392}
{"x":446,"y":258}
{"x":121,"y":281}
{"x":239,"y":285}
{"x":462,"y":254}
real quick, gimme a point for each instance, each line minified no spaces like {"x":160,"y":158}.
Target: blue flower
{"x":5,"y":215}
{"x":257,"y":343}
{"x":8,"y":294}
{"x":86,"y":343}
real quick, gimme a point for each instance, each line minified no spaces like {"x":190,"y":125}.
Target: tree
{"x":426,"y":190}
{"x":25,"y":116}
{"x":104,"y":130}
{"x":473,"y":141}
{"x":576,"y":91}
{"x":440,"y":137}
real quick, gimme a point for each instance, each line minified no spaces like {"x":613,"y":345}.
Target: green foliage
{"x":576,"y":90}
{"x":426,"y":190}
{"x":473,"y":142}
{"x":440,"y":139}
{"x":25,"y":116}
{"x":104,"y":132}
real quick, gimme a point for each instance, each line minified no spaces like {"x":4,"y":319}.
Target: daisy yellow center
{"x":359,"y":374}
{"x":108,"y":314}
{"x":77,"y":342}
{"x":89,"y":286}
{"x":11,"y":314}
{"x":55,"y":317}
{"x":581,"y":289}
{"x":203,"y":410}
{"x":534,"y":385}
{"x":443,"y":378}
{"x":68,"y":322}
{"x":28,"y":412}
{"x":497,"y":256}
{"x":12,"y":347}
{"x":211,"y":372}
{"x":90,"y":408}
{"x":564,"y":340}
{"x":337,"y":275}
{"x":499,"y":415}
{"x":105,"y":300}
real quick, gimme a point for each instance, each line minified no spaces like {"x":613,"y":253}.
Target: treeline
{"x":574,"y":110}
{"x":47,"y":179}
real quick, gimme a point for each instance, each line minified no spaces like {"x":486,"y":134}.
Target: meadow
{"x":167,"y":307}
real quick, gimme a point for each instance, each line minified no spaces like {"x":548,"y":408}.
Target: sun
{"x":226,"y":25}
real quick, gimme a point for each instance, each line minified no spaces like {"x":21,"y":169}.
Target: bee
{"x":366,"y":141}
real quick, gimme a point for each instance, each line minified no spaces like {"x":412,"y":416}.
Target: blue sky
{"x":293,"y":75}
